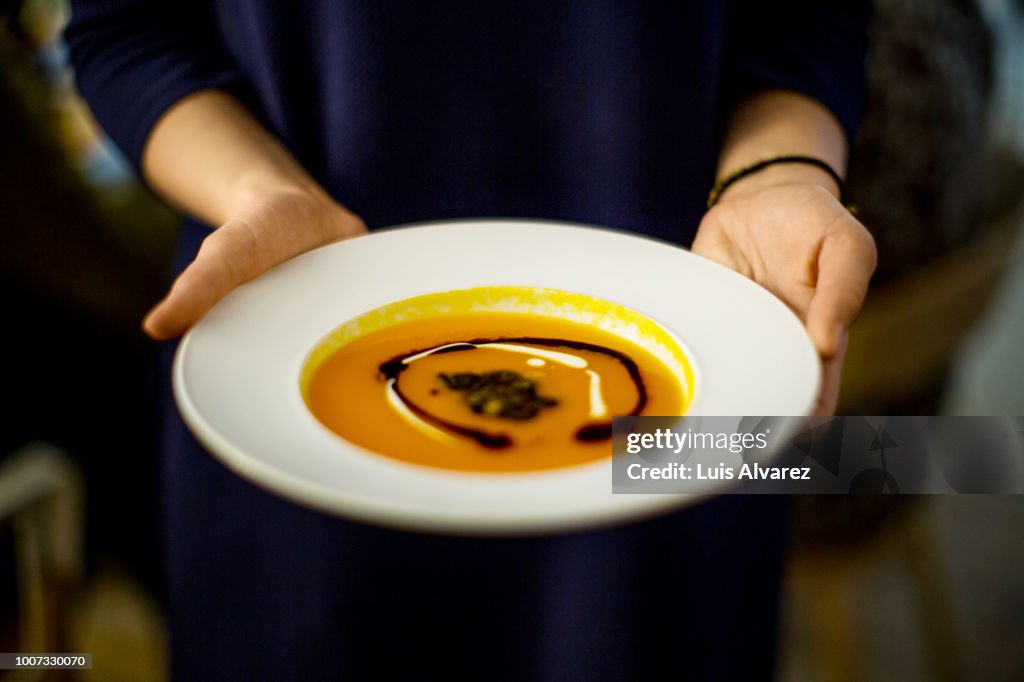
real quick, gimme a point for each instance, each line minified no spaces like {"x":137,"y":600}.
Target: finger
{"x":831,"y":373}
{"x":845,"y":265}
{"x":230,"y":256}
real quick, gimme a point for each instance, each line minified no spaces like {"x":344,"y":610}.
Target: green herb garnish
{"x":504,"y":394}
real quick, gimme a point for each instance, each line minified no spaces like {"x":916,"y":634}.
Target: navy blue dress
{"x":599,"y":112}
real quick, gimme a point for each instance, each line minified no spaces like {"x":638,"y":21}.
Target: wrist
{"x":258,"y":184}
{"x":776,"y":175}
{"x":297,"y":197}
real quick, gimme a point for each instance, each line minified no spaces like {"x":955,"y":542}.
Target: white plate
{"x":236,"y":373}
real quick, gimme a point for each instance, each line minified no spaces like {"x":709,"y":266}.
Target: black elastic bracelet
{"x":725,"y":183}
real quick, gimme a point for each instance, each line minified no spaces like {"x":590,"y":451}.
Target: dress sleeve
{"x":815,"y":48}
{"x":133,"y":59}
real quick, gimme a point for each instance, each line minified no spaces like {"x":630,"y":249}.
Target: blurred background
{"x":909,"y":588}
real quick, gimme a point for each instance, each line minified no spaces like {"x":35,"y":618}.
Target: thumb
{"x":226,"y":259}
{"x":232,"y":255}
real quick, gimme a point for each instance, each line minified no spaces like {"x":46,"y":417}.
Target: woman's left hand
{"x":798,"y":241}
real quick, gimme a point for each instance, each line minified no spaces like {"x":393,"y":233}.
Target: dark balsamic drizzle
{"x":591,"y":433}
{"x":588,"y":433}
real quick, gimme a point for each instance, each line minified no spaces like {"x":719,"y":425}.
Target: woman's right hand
{"x":211,"y":157}
{"x":267,"y":230}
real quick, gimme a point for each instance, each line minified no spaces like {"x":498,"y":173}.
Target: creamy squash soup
{"x":494,"y":379}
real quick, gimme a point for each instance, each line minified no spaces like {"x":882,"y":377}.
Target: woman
{"x":258,"y":117}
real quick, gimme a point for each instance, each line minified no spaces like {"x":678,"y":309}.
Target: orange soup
{"x":489,"y":391}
